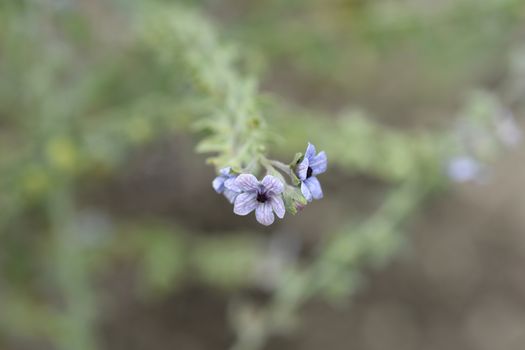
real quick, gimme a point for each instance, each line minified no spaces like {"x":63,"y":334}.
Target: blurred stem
{"x":316,"y":279}
{"x":71,"y":273}
{"x":285,"y":168}
{"x":281,"y":166}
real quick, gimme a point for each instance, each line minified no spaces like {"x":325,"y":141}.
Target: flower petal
{"x":247,"y":182}
{"x":319,"y":163}
{"x":264,"y":214}
{"x":302,"y":169}
{"x":310,"y":151}
{"x":230,"y":195}
{"x":218,"y":184}
{"x":230,"y":185}
{"x":306,"y":192}
{"x":278,"y":206}
{"x":225,"y":171}
{"x":315,"y":187}
{"x":245,"y":203}
{"x":272,"y":184}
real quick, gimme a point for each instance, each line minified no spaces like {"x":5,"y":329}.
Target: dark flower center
{"x":309,"y":172}
{"x":262,"y":197}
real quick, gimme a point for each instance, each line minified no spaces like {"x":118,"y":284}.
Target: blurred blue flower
{"x":264,"y":197}
{"x":307,"y":170}
{"x":224,"y":184}
{"x":464,"y":169}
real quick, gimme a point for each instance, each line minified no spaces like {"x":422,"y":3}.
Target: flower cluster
{"x":479,"y":142}
{"x":273,"y":195}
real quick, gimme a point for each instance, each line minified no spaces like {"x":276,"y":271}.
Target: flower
{"x":264,"y":197}
{"x":224,"y":182}
{"x":307,"y":171}
{"x":464,"y":169}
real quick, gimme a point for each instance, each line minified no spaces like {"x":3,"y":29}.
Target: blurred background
{"x":111,"y":236}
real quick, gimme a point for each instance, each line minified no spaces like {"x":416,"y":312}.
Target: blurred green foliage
{"x":84,"y":85}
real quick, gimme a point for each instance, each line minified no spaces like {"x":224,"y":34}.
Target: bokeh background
{"x":111,"y":236}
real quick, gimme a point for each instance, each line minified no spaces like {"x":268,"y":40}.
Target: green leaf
{"x":211,"y":144}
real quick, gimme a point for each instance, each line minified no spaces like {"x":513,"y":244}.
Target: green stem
{"x":72,"y":274}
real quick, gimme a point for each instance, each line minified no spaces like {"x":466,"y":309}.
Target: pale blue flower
{"x":464,"y":169}
{"x":264,"y":197}
{"x":307,"y":171}
{"x":224,"y":182}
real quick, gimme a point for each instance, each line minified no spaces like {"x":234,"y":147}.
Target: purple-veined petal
{"x":230,"y":195}
{"x":302,"y":169}
{"x":264,"y":214}
{"x":278,"y":206}
{"x":218,"y":184}
{"x":306,"y":192}
{"x":247,"y":182}
{"x":319,"y":163}
{"x":315,"y":187}
{"x":310,"y":151}
{"x":245,"y":203}
{"x":225,"y":171}
{"x":230,"y":184}
{"x":272,"y":184}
